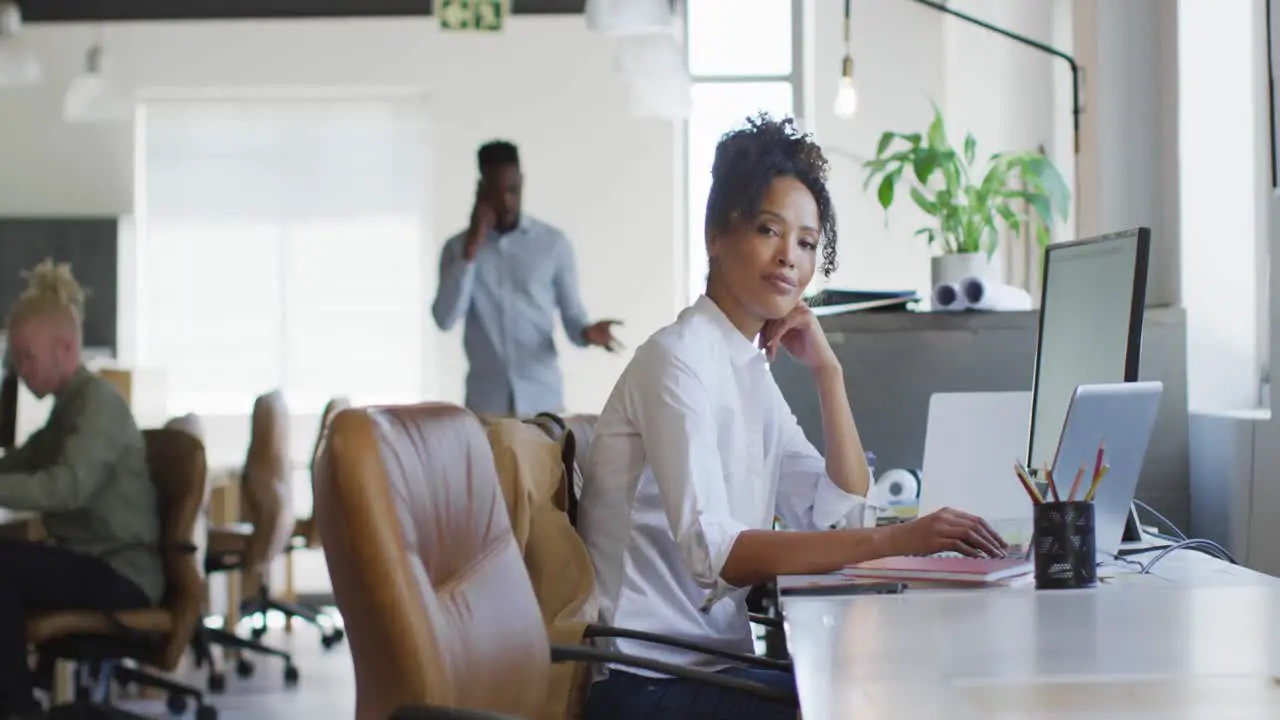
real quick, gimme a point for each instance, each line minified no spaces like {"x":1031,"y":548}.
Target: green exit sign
{"x":482,"y":15}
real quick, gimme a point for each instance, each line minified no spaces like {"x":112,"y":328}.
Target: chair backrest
{"x":434,"y":596}
{"x":176,"y":462}
{"x":267,"y":495}
{"x":583,"y":427}
{"x":311,"y":532}
{"x":189,"y":423}
{"x":534,"y":475}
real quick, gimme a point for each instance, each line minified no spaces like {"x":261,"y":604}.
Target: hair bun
{"x":52,"y":283}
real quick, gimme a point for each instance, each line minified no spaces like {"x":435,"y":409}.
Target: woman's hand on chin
{"x":800,"y":334}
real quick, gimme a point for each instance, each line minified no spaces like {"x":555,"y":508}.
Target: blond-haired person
{"x":85,"y":471}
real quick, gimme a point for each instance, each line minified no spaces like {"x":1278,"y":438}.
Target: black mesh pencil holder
{"x":1065,"y":546}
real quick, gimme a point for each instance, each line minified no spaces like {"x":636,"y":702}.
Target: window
{"x":281,"y":245}
{"x":743,"y":60}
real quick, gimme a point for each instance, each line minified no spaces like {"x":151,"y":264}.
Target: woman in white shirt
{"x":696,"y":451}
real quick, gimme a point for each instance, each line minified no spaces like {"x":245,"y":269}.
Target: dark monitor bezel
{"x":1137,"y":307}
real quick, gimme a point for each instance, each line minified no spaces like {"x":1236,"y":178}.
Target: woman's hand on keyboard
{"x":947,"y":530}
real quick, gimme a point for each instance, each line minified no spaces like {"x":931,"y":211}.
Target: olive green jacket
{"x":85,"y":471}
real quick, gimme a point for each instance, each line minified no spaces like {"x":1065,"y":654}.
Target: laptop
{"x":971,"y":441}
{"x":1121,"y":416}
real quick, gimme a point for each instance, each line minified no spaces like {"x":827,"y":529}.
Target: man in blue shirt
{"x":507,"y":274}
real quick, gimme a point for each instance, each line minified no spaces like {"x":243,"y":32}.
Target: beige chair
{"x":535,"y":462}
{"x":305,"y":536}
{"x":189,"y":423}
{"x":250,"y":547}
{"x":441,"y":616}
{"x":159,"y":636}
{"x":583,"y":427}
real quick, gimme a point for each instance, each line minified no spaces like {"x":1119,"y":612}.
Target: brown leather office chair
{"x":575,"y":433}
{"x":250,"y":547}
{"x":159,"y":636}
{"x":534,"y":461}
{"x":306,"y":535}
{"x":441,"y":615}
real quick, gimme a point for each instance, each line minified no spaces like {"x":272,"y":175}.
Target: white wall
{"x":907,"y":55}
{"x":546,"y":83}
{"x":1013,"y":97}
{"x":898,"y":61}
{"x":1220,"y":226}
{"x":1129,"y":142}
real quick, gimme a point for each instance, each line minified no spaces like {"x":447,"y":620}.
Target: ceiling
{"x":35,"y":11}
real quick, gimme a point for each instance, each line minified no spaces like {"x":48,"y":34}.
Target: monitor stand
{"x":1135,"y":541}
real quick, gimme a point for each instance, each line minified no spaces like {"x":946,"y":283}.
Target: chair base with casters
{"x":202,"y":650}
{"x":583,"y":653}
{"x":226,"y":554}
{"x":262,"y":603}
{"x":98,"y":664}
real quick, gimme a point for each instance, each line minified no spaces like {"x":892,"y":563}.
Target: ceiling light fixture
{"x":648,"y":54}
{"x":846,"y":94}
{"x":628,"y":17}
{"x":93,"y":95}
{"x":19,"y":65}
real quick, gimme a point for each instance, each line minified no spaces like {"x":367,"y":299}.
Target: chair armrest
{"x":584,"y":653}
{"x":605,"y":631}
{"x":431,"y":712}
{"x":129,"y":633}
{"x":184,"y":546}
{"x":765,"y":621}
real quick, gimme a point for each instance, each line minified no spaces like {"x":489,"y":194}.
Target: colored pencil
{"x":1093,"y":489}
{"x":1053,"y":487}
{"x":1075,"y":485}
{"x":1027,"y":484}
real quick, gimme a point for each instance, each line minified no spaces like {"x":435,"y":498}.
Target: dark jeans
{"x":626,"y":696}
{"x":36,"y":578}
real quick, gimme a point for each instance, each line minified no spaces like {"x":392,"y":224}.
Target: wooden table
{"x":1198,"y":638}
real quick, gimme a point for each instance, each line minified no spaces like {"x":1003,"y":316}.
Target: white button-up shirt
{"x":695,"y":445}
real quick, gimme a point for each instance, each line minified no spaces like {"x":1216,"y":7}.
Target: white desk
{"x":8,"y":516}
{"x":1198,"y":638}
{"x":18,"y":524}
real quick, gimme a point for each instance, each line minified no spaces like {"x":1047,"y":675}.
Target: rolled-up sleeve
{"x":673,"y":409}
{"x":807,"y":498}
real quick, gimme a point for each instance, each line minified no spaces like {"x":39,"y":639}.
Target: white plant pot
{"x":954,"y":267}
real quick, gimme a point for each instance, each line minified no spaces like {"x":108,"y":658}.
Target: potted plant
{"x":1017,"y":190}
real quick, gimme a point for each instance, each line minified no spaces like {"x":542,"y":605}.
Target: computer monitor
{"x":1091,"y":306}
{"x":8,"y":410}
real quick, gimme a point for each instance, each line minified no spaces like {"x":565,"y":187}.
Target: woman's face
{"x":766,"y":262}
{"x":38,"y":349}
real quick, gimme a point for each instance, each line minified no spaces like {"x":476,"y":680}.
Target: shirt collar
{"x":740,"y":349}
{"x":522,"y":227}
{"x":81,"y":375}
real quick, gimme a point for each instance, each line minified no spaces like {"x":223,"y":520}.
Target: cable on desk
{"x":1178,"y":533}
{"x":1208,"y":547}
{"x":1123,"y":560}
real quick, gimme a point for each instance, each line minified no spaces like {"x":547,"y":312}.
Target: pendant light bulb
{"x":846,"y":93}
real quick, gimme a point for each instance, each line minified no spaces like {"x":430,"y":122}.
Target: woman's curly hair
{"x":747,"y":162}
